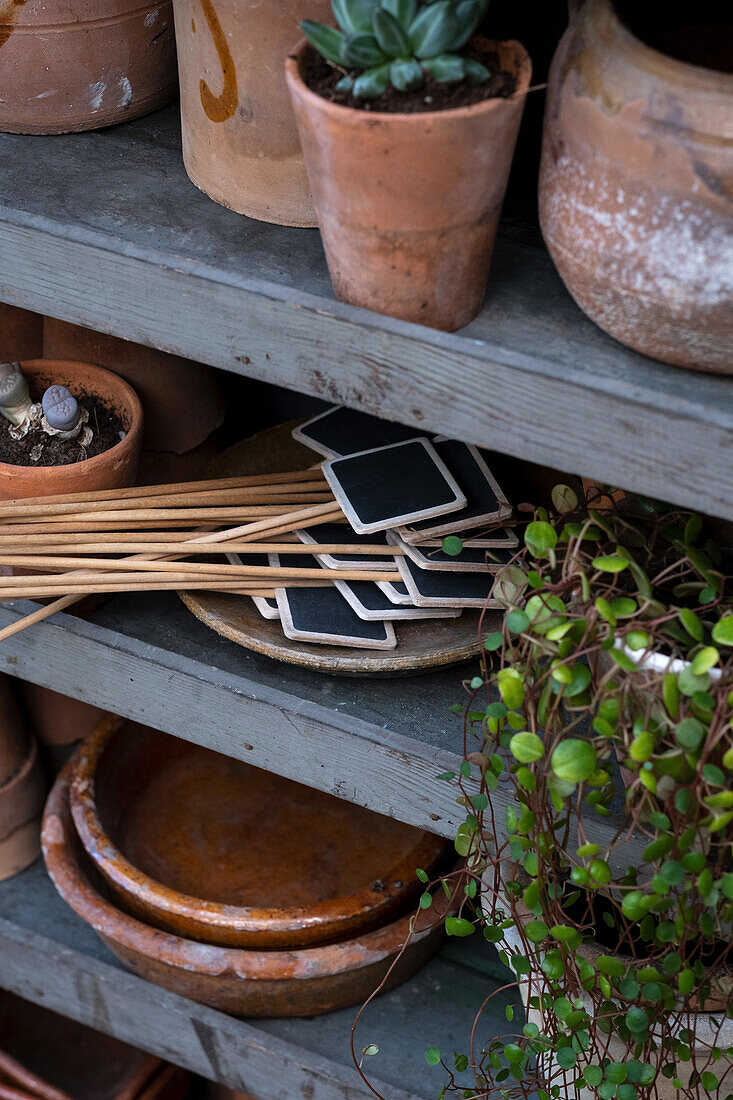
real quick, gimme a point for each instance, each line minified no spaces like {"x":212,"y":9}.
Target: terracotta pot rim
{"x":274,"y":927}
{"x":675,"y":70}
{"x":311,"y":963}
{"x":113,"y":383}
{"x":404,"y":118}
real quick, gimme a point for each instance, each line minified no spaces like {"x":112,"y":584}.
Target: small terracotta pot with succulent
{"x":408,"y":122}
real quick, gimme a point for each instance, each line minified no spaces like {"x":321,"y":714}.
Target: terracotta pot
{"x":409,"y":204}
{"x":21,"y":334}
{"x":52,"y":1057}
{"x":114,"y":469}
{"x":21,"y":789}
{"x":240,"y":143}
{"x":635,"y":191}
{"x":181,"y":400}
{"x":303,"y":982}
{"x":216,"y":850}
{"x":81,"y":64}
{"x":57,"y":719}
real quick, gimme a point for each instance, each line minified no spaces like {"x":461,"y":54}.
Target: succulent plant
{"x":15,"y":401}
{"x":61,"y":409}
{"x":398,"y":42}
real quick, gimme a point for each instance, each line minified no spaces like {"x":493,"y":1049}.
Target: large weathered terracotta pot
{"x":636,"y":189}
{"x":301,"y":982}
{"x":240,"y":143}
{"x":215,"y":850}
{"x":80,"y":64}
{"x":21,"y":789}
{"x":114,"y":468}
{"x":409,"y":204}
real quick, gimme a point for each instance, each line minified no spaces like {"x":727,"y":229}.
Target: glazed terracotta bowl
{"x":197,"y":843}
{"x":115,"y":468}
{"x":301,"y":982}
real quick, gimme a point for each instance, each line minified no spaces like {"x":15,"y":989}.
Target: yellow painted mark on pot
{"x":219,"y":107}
{"x":9,"y":12}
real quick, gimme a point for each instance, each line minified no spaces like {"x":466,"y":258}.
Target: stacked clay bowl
{"x":231,"y":886}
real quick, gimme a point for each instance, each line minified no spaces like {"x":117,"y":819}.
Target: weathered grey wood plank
{"x":281,"y":729}
{"x":113,"y":235}
{"x":48,"y":955}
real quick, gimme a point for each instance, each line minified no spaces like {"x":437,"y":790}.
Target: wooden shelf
{"x":50,"y":956}
{"x":379,"y":742}
{"x":112,"y":235}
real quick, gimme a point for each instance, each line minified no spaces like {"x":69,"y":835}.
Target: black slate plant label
{"x":323,"y":616}
{"x":477,"y":538}
{"x":344,"y":532}
{"x":469,"y":560}
{"x":485,"y":501}
{"x":393,"y":485}
{"x":370,"y":602}
{"x":341,"y":431}
{"x":266,"y":605}
{"x":437,"y":589}
{"x":396,"y":592}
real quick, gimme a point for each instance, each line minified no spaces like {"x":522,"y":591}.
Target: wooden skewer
{"x":289,"y":494}
{"x":136,"y":584}
{"x":10,"y":552}
{"x":305,"y":517}
{"x":110,"y":566}
{"x":175,"y":487}
{"x":214,"y":514}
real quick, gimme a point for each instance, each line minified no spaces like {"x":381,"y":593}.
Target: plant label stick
{"x":394,"y":485}
{"x":433,"y":589}
{"x":370,"y":602}
{"x":342,"y":532}
{"x":467,"y":560}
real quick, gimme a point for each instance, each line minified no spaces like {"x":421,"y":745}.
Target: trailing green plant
{"x":613,"y":908}
{"x":397,"y":42}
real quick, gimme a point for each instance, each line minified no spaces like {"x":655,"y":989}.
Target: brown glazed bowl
{"x":208,"y":847}
{"x":636,"y":185}
{"x":303,"y":982}
{"x":408,"y":204}
{"x":115,"y":469}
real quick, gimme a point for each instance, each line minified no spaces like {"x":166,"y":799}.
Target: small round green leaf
{"x":574,"y":760}
{"x":723,"y":631}
{"x":540,"y":537}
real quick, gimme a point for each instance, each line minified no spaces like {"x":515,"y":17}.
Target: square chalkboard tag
{"x":396,"y":592}
{"x":340,"y":431}
{"x":266,"y":605}
{"x":480,"y":538}
{"x":485,"y":501}
{"x":370,"y":602}
{"x":433,"y":589}
{"x":469,"y":560}
{"x":394,"y":485}
{"x":323,"y":616}
{"x":344,"y":532}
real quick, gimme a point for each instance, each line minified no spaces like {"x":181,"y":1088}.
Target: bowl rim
{"x":244,"y":926}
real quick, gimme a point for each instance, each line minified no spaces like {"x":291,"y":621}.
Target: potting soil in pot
{"x":430,"y":96}
{"x":106,"y":425}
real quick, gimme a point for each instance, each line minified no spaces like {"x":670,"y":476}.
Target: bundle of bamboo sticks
{"x":153,"y":538}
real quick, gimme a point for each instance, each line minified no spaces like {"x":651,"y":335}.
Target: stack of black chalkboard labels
{"x":397,"y":488}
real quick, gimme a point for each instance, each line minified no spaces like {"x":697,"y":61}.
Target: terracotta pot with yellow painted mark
{"x":636,"y":185}
{"x":114,"y":468}
{"x":68,"y":65}
{"x":409,"y":204}
{"x":240,"y":143}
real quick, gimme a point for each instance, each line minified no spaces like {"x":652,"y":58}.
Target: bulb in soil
{"x":15,"y":401}
{"x":61,"y":408}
